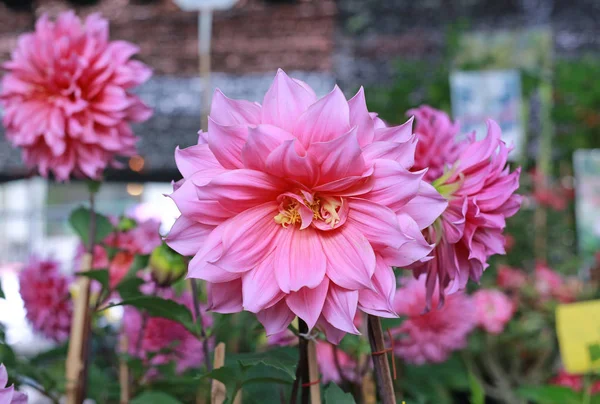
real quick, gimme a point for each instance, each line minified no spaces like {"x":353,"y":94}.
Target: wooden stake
{"x":380,"y":362}
{"x":218,"y":391}
{"x":124,"y":372}
{"x":313,"y":373}
{"x":75,"y":366}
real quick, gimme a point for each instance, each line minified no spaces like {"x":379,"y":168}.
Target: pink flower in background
{"x":574,"y":382}
{"x":431,"y":336}
{"x":480,"y":190}
{"x":8,"y":395}
{"x":437,"y":147}
{"x":494,"y":310}
{"x":547,"y":281}
{"x":162,"y":340}
{"x":67,"y":100}
{"x":510,"y":278}
{"x":45,"y":293}
{"x":300,"y":207}
{"x":329,"y":369}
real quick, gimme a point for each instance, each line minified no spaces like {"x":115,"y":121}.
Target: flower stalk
{"x":385,"y":385}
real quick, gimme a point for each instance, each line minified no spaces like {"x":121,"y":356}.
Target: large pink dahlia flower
{"x":431,"y":336}
{"x":300,"y":207}
{"x":45,"y":293}
{"x":479,"y":187}
{"x":66,"y":97}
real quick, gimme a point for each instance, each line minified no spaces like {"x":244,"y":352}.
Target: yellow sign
{"x":578,"y":328}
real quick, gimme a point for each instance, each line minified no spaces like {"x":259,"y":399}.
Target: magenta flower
{"x":480,"y":190}
{"x":300,"y":207}
{"x":159,"y":340}
{"x":67,"y":97}
{"x":45,"y":293}
{"x":431,"y":336}
{"x":437,"y":147}
{"x":8,"y":395}
{"x":329,"y":370}
{"x":494,"y":310}
{"x":511,"y":279}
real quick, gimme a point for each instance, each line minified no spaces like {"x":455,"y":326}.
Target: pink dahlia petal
{"x":340,"y":307}
{"x":350,"y":258}
{"x":226,"y":143}
{"x":361,"y":119}
{"x":262,"y":140}
{"x":379,"y":300}
{"x":225,"y":297}
{"x":307,"y":303}
{"x":285,"y":101}
{"x":394,"y":186}
{"x":325,"y":120}
{"x":186,"y":236}
{"x":289,"y":160}
{"x":332,"y":334}
{"x":276,"y":318}
{"x":426,"y":206}
{"x":338,"y":158}
{"x":194,"y":159}
{"x":397,"y":134}
{"x":378,"y":223}
{"x":299,"y":259}
{"x":229,"y":112}
{"x":403,"y":153}
{"x":259,"y":287}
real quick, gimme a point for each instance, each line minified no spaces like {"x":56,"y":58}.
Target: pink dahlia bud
{"x":431,"y":336}
{"x":479,"y":187}
{"x":301,"y":182}
{"x":8,"y":395}
{"x":67,"y":98}
{"x":494,"y":310}
{"x":45,"y":294}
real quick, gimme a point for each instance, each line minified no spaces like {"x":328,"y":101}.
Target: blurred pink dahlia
{"x":159,"y":340}
{"x":300,"y":207}
{"x":66,"y":97}
{"x":480,"y":190}
{"x":494,"y":310}
{"x":8,"y":395}
{"x":431,"y":336}
{"x":45,"y":293}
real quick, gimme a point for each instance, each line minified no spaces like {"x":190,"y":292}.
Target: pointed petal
{"x":285,"y":101}
{"x":414,"y":249}
{"x":187,"y":236}
{"x":225,"y":298}
{"x":339,"y":158}
{"x":195,"y":158}
{"x":227,"y":111}
{"x":350,"y":258}
{"x":286,"y":162}
{"x":3,"y":376}
{"x":361,"y":119}
{"x":340,"y":307}
{"x":332,"y":334}
{"x":226,"y":143}
{"x":394,"y":185}
{"x":324,"y":120}
{"x":400,"y":134}
{"x":299,"y":259}
{"x":202,"y":265}
{"x":207,"y":212}
{"x":403,"y":153}
{"x":426,"y":207}
{"x":378,"y":223}
{"x":380,"y":301}
{"x":259,"y":286}
{"x":308,"y":303}
{"x":276,"y":318}
{"x":262,"y":140}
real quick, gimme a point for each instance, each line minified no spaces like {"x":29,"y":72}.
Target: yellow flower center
{"x":323,"y":209}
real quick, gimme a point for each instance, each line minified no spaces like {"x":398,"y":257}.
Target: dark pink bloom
{"x":45,"y":293}
{"x":67,"y":98}
{"x":437,"y":147}
{"x":300,"y":207}
{"x":480,"y":190}
{"x":160,"y":340}
{"x":574,"y":382}
{"x":494,"y":310}
{"x":552,"y":285}
{"x":511,"y":278}
{"x":8,"y":395}
{"x":431,"y":336}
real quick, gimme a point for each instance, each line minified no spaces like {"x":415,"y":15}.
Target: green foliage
{"x":335,"y":395}
{"x":550,"y":395}
{"x":2,"y":292}
{"x":477,"y":391}
{"x":100,"y":275}
{"x":155,"y":397}
{"x":80,"y":220}
{"x":159,"y":307}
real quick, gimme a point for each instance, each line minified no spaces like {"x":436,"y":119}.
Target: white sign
{"x":196,"y":5}
{"x":495,"y":94}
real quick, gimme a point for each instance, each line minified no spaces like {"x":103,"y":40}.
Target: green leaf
{"x":100,"y":275}
{"x":155,"y":397}
{"x":231,"y":376}
{"x":549,"y":394}
{"x":129,"y":288}
{"x":2,"y":292}
{"x":276,"y":358}
{"x":80,"y":222}
{"x":335,"y":395}
{"x":158,"y":307}
{"x":477,"y":392}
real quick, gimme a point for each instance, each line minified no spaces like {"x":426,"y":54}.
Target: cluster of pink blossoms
{"x":479,"y":187}
{"x":8,"y":395}
{"x":159,"y":340}
{"x":301,"y":207}
{"x":45,"y":293}
{"x":67,"y":98}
